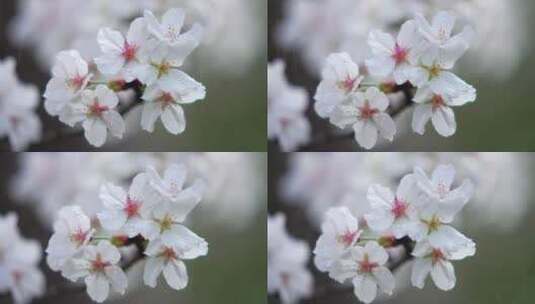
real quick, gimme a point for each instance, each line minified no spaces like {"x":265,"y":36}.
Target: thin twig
{"x":322,"y":141}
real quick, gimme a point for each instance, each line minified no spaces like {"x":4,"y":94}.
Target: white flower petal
{"x":176,"y":275}
{"x":98,"y":287}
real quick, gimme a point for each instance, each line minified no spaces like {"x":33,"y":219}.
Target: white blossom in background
{"x":148,"y":57}
{"x":286,"y":110}
{"x":231,"y":27}
{"x":318,"y":28}
{"x":288,"y":275}
{"x":19,"y":121}
{"x":19,"y":263}
{"x":151,"y":215}
{"x":421,"y":228}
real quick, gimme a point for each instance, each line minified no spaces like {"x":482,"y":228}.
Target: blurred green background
{"x":231,"y":118}
{"x":502,"y":271}
{"x":501,"y":119}
{"x":234,"y":271}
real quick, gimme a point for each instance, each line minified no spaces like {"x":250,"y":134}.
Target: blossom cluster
{"x":148,"y":58}
{"x":44,"y":182}
{"x":232,"y":31}
{"x":18,"y":103}
{"x":19,"y":263}
{"x":315,"y":29}
{"x":287,"y":263}
{"x":149,"y":216}
{"x":316,"y":182}
{"x":418,"y":216}
{"x":421,"y":56}
{"x":286,"y":110}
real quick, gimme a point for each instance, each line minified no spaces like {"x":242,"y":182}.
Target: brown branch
{"x":322,"y":141}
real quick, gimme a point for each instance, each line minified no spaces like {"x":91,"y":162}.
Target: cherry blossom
{"x":436,"y":260}
{"x":96,"y":111}
{"x":120,"y":52}
{"x":72,"y":232}
{"x":167,"y":104}
{"x":171,"y":187}
{"x":394,"y":56}
{"x":365,"y":112}
{"x":365,"y":266}
{"x":170,"y":261}
{"x":340,"y":79}
{"x":169,"y":30}
{"x":438,"y":33}
{"x":124,"y":210}
{"x":340,"y":232}
{"x":396,"y":212}
{"x":437,"y":107}
{"x":70,"y":77}
{"x":439,"y":186}
{"x":98,"y":266}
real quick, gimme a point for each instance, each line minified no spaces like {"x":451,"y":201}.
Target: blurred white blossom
{"x":18,"y":103}
{"x":19,"y":261}
{"x":287,"y":259}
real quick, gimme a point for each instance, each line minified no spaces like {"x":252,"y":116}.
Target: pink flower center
{"x":96,"y":109}
{"x":76,"y":83}
{"x":365,"y":266}
{"x":132,"y":207}
{"x":129,"y":51}
{"x":348,"y":238}
{"x":79,"y":237}
{"x":285,"y":278}
{"x":166,"y":99}
{"x":367,"y":112}
{"x":169,"y":254}
{"x":98,"y":264}
{"x":437,"y":102}
{"x":347,"y":84}
{"x":285,"y":122}
{"x":399,"y":208}
{"x":436,"y":255}
{"x":17,"y":276}
{"x":14,"y":121}
{"x":400,"y":54}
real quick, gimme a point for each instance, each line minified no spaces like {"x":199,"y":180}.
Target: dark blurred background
{"x":234,"y":271}
{"x":231,"y":118}
{"x":501,"y":119}
{"x":502,"y":271}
